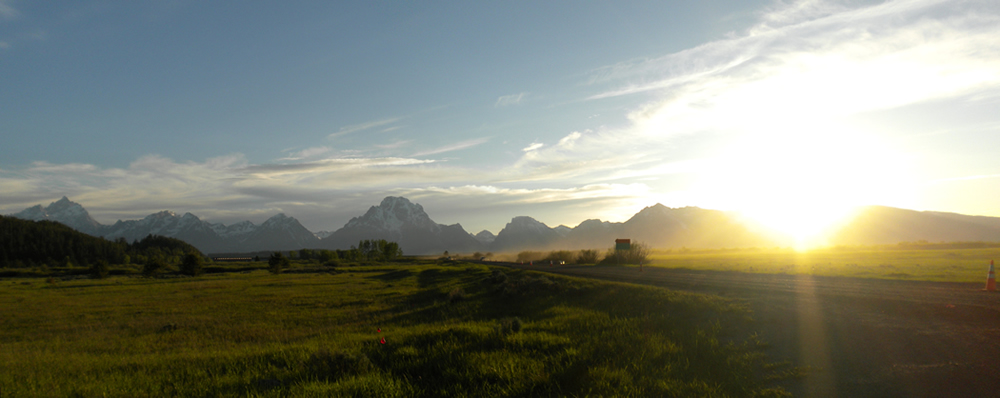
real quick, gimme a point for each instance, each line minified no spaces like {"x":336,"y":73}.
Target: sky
{"x":789,"y":112}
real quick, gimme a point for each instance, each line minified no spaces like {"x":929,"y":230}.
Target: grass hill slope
{"x":26,"y":243}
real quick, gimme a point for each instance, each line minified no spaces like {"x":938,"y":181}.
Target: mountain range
{"x":279,"y":232}
{"x":399,"y":220}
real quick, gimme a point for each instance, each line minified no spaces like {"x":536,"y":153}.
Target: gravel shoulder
{"x":858,"y":337}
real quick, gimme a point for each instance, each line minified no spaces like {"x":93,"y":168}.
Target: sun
{"x":802,"y":184}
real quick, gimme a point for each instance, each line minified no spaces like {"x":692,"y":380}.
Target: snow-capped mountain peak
{"x":235,"y":230}
{"x":67,"y":207}
{"x":165,"y":214}
{"x":393,"y":215}
{"x":65,"y":211}
{"x":277,"y":219}
{"x":34,"y":213}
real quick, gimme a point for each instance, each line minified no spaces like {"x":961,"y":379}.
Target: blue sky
{"x":785,"y":111}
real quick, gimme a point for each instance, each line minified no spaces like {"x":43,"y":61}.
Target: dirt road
{"x":859,"y":337}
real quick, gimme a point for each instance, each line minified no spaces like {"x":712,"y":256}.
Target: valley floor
{"x":417,"y":328}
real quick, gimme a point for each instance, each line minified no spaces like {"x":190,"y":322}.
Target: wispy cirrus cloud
{"x":364,"y":126}
{"x":511,"y":99}
{"x":536,"y":195}
{"x":21,"y":38}
{"x":394,"y":145}
{"x":307,"y":153}
{"x":7,"y":11}
{"x":454,"y":147}
{"x":945,"y":43}
{"x":68,"y":168}
{"x":534,"y":146}
{"x":327,"y":166}
{"x":588,"y":156}
{"x":782,"y":14}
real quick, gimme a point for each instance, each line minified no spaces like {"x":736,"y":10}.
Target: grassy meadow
{"x":450,"y":329}
{"x":944,"y":264}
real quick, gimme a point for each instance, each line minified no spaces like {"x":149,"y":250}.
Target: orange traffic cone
{"x":991,"y":280}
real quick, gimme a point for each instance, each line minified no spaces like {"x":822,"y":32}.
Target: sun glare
{"x":800,"y":185}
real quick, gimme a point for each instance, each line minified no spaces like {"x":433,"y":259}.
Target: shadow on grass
{"x":393,"y":276}
{"x":435,"y":276}
{"x":229,"y":269}
{"x":583,"y":337}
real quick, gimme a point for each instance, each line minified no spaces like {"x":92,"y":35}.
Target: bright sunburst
{"x":802,"y":184}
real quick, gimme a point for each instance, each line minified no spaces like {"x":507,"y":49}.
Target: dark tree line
{"x":25,"y":243}
{"x":366,"y":250}
{"x":377,"y":250}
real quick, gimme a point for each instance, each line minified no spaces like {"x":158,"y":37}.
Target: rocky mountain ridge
{"x":67,"y":212}
{"x":399,"y":220}
{"x":279,"y":232}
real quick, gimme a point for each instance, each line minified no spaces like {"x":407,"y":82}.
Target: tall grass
{"x":321,"y":333}
{"x":945,"y":265}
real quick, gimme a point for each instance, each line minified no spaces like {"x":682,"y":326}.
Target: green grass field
{"x":942,"y":265}
{"x":451,"y":329}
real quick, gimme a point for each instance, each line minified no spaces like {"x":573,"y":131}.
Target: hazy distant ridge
{"x":888,"y":225}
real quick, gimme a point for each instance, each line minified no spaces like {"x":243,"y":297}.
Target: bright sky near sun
{"x":790,"y":112}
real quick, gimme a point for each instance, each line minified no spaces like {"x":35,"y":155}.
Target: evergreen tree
{"x":276,"y":263}
{"x":153,"y":266}
{"x":191,"y":264}
{"x":100,"y":269}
